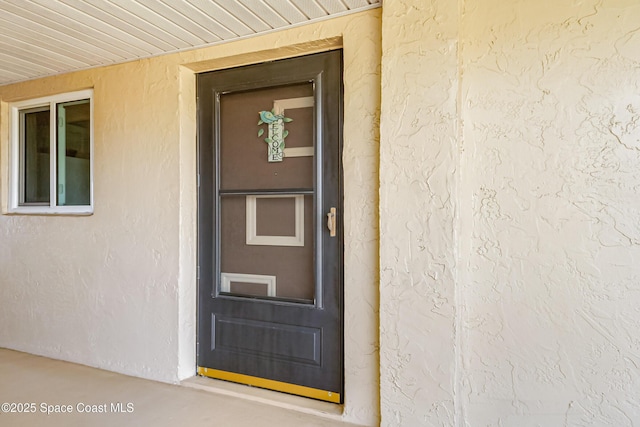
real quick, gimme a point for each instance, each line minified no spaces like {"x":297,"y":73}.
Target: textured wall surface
{"x":418,"y":166}
{"x":360,"y":155}
{"x":551,"y":213}
{"x":102,"y":289}
{"x":117,"y":289}
{"x":510,"y":271}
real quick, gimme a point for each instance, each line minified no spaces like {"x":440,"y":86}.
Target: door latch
{"x":331,"y":222}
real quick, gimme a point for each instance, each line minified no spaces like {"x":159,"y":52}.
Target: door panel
{"x":270,"y":283}
{"x":268,"y":339}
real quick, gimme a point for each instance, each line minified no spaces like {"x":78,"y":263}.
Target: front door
{"x":270,"y":229}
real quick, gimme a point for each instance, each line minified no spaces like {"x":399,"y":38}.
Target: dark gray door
{"x":270,"y":229}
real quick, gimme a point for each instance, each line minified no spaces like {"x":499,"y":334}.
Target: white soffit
{"x":44,"y":37}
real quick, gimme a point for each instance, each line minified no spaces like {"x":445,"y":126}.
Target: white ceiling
{"x":45,"y":37}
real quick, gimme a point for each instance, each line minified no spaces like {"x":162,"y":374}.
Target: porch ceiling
{"x":44,"y":37}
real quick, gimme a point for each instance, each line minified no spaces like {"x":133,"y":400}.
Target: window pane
{"x":73,"y":152}
{"x":35,"y":163}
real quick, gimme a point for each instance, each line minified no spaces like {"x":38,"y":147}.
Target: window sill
{"x":42,"y":210}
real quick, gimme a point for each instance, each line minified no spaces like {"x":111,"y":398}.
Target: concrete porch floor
{"x":27,"y":379}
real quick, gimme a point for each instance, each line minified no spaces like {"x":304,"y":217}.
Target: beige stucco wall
{"x":550,"y":212}
{"x":102,"y":289}
{"x":509,"y":207}
{"x":117,"y":289}
{"x":418,"y":202}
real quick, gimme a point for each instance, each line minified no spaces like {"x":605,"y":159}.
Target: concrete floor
{"x":28,"y":379}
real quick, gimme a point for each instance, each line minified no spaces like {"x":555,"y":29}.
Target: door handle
{"x":331,"y":222}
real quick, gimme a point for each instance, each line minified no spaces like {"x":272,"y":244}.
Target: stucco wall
{"x":102,"y":289}
{"x":116,"y":289}
{"x":551,"y":212}
{"x":418,"y":173}
{"x":509,"y":219}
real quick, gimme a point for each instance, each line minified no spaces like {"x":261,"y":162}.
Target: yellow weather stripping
{"x":299,"y":390}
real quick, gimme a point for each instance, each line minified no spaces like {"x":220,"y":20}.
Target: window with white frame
{"x":52,"y":154}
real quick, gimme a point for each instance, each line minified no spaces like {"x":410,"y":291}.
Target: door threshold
{"x":294,"y":389}
{"x":268,"y":397}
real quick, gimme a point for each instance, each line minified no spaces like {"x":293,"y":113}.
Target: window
{"x":52,"y":154}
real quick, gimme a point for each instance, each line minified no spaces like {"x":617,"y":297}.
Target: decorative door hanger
{"x":275,"y":120}
{"x":277,"y":133}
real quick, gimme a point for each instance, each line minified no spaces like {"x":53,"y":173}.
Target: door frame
{"x":361,"y":77}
